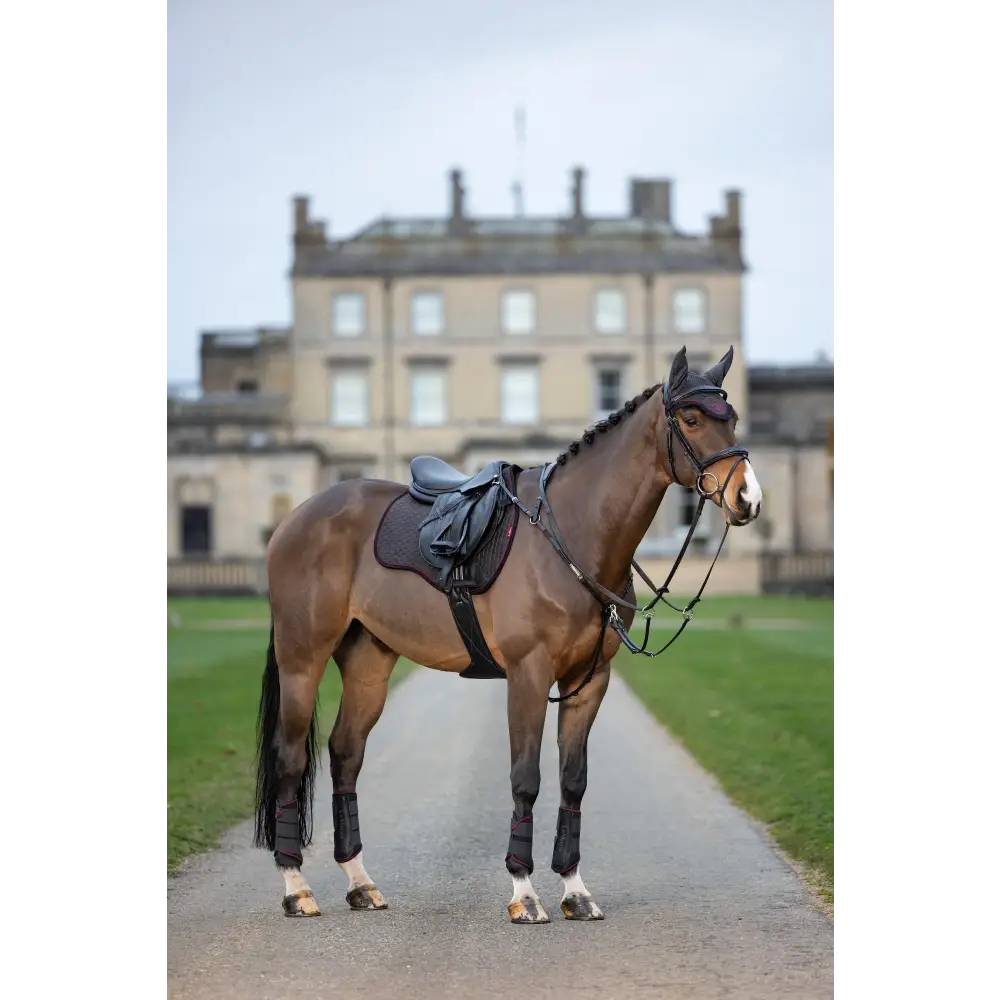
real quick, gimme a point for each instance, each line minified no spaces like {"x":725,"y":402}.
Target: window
{"x":689,"y":310}
{"x":427,"y":396}
{"x":196,"y":530}
{"x":609,"y":311}
{"x":609,"y":391}
{"x":517,"y":312}
{"x":426,"y":313}
{"x":349,"y":399}
{"x":258,"y":439}
{"x":349,"y":314}
{"x":519,"y":394}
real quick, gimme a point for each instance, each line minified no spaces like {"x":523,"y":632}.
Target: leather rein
{"x":609,"y":601}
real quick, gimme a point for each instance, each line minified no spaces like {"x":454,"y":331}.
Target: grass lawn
{"x":213,"y":688}
{"x":755,"y":707}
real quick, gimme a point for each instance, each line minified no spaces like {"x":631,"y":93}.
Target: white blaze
{"x":751,"y":492}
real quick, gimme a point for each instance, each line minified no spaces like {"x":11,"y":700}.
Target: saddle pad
{"x":397,"y":544}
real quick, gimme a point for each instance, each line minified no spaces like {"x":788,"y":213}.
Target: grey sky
{"x":366,"y":106}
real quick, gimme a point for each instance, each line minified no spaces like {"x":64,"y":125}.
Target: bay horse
{"x":542,"y":623}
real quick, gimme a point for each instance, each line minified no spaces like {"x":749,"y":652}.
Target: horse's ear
{"x":718,"y":372}
{"x":678,"y":370}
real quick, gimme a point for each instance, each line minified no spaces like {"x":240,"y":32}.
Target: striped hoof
{"x":300,"y":904}
{"x":527,"y":910}
{"x":366,"y":897}
{"x":581,"y":906}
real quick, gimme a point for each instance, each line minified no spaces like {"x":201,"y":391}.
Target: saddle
{"x":455,"y":531}
{"x":463,"y":509}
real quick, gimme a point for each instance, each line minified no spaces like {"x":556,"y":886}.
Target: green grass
{"x":213,"y":688}
{"x":755,"y":707}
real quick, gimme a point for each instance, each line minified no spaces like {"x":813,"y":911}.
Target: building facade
{"x":467,"y":338}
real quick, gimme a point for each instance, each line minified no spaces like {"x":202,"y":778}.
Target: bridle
{"x":718,"y":408}
{"x":671,"y":404}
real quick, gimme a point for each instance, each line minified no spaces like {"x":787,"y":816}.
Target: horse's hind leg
{"x":576,"y":716}
{"x":365,"y":665}
{"x":287,"y":760}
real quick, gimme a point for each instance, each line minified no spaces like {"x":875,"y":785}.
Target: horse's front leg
{"x":576,"y":716}
{"x":365,"y":665}
{"x":528,"y":685}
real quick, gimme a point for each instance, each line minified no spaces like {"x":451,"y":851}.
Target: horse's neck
{"x":606,"y":497}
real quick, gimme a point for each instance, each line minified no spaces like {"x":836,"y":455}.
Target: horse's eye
{"x":690,"y":421}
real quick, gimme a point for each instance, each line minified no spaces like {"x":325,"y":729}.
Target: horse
{"x":544,"y":619}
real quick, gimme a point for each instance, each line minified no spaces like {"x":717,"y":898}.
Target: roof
{"x":506,"y":225}
{"x":244,"y":342}
{"x":514,"y":245}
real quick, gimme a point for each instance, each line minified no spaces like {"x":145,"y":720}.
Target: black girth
{"x":610,"y":602}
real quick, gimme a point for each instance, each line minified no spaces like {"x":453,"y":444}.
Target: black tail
{"x":267,"y":761}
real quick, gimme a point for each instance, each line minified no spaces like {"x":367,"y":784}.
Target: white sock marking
{"x":522,"y":888}
{"x":294,"y":881}
{"x":355,"y":872}
{"x":573,"y":883}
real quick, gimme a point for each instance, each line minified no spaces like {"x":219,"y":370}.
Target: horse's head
{"x":701,"y":448}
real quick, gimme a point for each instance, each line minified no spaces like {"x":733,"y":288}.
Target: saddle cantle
{"x":455,"y":531}
{"x":433,"y":476}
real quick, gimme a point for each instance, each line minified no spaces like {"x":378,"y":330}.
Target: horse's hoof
{"x":527,"y":911}
{"x":366,"y":897}
{"x":300,"y":904}
{"x":581,"y":906}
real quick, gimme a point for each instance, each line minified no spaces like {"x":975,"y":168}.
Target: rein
{"x":609,"y":601}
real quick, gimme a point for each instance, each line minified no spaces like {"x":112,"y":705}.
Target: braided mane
{"x":612,"y":420}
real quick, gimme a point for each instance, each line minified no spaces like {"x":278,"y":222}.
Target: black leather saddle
{"x":463,"y":509}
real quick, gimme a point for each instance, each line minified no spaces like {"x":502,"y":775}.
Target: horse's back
{"x":332,"y":523}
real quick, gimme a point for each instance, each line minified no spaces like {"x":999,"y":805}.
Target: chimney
{"x":301,"y":203}
{"x":306,"y":231}
{"x":733,"y":209}
{"x":578,"y":175}
{"x":651,"y":200}
{"x":457,"y":220}
{"x":726,"y":230}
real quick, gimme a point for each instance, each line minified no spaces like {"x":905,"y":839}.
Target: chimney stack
{"x":726,"y":230}
{"x":578,"y":175}
{"x":457,"y":220}
{"x":306,"y":231}
{"x":733,"y":209}
{"x":651,"y":200}
{"x":301,"y":203}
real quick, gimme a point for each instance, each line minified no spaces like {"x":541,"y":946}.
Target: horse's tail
{"x":267,"y":761}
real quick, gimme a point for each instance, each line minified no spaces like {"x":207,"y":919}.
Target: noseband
{"x":713,"y":401}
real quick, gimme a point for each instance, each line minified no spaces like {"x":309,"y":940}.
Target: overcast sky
{"x":366,"y":106}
